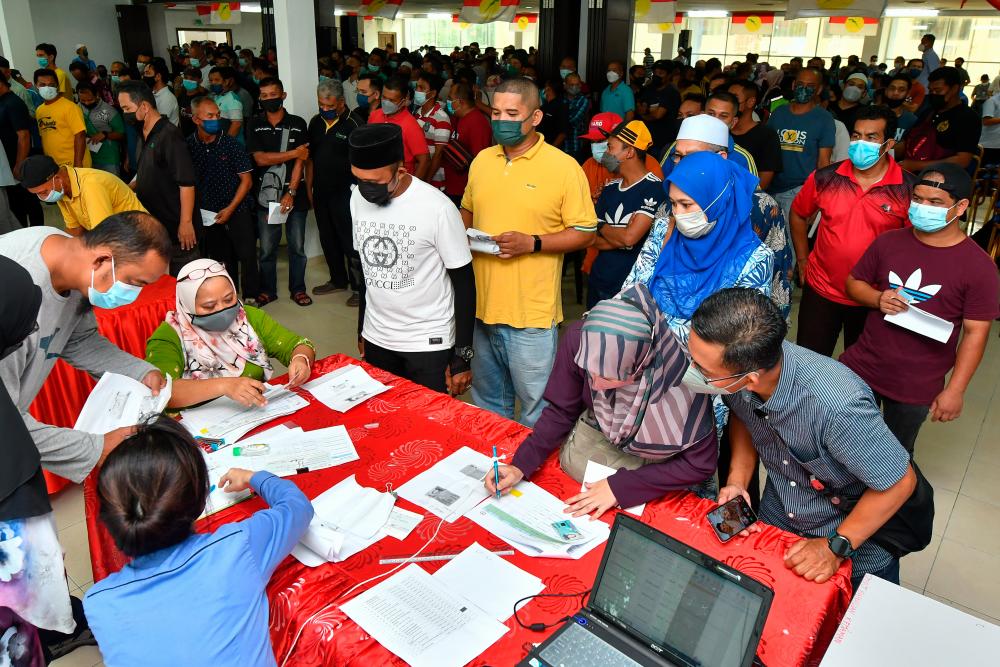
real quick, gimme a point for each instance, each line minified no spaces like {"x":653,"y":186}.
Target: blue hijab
{"x":689,"y":270}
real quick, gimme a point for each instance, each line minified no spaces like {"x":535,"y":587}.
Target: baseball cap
{"x":957,"y":181}
{"x":635,"y":134}
{"x":37,"y":169}
{"x":601,"y":126}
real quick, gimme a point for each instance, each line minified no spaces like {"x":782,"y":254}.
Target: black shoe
{"x":353,"y":300}
{"x":55,"y":645}
{"x":328,"y":288}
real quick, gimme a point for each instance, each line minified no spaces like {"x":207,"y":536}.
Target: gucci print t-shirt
{"x":955,"y":283}
{"x":406,"y":250}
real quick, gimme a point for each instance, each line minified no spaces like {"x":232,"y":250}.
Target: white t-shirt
{"x":406,"y":249}
{"x":166,"y":104}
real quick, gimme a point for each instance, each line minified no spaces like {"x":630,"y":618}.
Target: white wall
{"x":163,"y":24}
{"x":66,"y":24}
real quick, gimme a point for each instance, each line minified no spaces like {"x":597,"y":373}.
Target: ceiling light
{"x":905,"y":12}
{"x":338,"y":12}
{"x":708,"y":14}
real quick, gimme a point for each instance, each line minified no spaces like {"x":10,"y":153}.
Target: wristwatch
{"x":840,"y":545}
{"x":538,"y":243}
{"x":291,"y":191}
{"x":465,"y":353}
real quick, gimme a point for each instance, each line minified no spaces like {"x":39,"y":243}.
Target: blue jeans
{"x":890,"y":573}
{"x":512,"y":363}
{"x":784,"y":200}
{"x":270,"y":237}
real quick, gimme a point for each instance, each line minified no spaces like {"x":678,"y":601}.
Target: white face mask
{"x":613,"y":77}
{"x":48,"y":93}
{"x":693,"y":225}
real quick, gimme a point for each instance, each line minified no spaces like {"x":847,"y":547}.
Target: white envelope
{"x":207,"y":217}
{"x":274,"y":214}
{"x":923,"y":323}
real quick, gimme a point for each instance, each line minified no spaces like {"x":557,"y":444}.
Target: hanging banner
{"x":384,"y":9}
{"x":854,"y":25}
{"x":218,"y":13}
{"x":672,"y":26}
{"x":522,"y":21}
{"x":655,"y":11}
{"x":488,"y":11}
{"x":752,"y":23}
{"x":801,"y":9}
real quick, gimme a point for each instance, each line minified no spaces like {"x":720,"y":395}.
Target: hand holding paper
{"x":275,"y":215}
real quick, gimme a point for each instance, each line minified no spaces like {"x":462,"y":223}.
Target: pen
{"x":496,"y":471}
{"x":433,"y":557}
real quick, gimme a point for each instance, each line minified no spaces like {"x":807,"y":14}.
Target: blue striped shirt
{"x":821,"y":422}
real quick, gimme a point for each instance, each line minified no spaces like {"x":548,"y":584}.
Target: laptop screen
{"x":674,"y":602}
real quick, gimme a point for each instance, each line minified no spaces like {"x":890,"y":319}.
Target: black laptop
{"x":657,"y":601}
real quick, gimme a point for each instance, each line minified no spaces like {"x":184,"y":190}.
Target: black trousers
{"x":25,"y":206}
{"x":425,"y":368}
{"x":336,"y":236}
{"x":235,"y":245}
{"x":821,"y":320}
{"x":903,"y":419}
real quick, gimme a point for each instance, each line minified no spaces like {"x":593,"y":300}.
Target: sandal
{"x":302,"y":299}
{"x":264,"y":299}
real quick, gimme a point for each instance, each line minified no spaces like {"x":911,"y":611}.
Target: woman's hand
{"x":595,"y":501}
{"x":236,"y":480}
{"x":246,"y":391}
{"x":299,"y":370}
{"x":509,"y":476}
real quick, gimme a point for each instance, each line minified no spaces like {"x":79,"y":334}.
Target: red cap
{"x":601,"y":126}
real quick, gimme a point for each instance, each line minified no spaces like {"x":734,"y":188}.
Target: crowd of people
{"x":697,"y":198}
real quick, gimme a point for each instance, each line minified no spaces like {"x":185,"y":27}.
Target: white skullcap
{"x":859,"y":76}
{"x":79,"y":46}
{"x":704,"y":128}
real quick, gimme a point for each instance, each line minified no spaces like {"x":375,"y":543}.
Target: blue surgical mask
{"x":54,"y":195}
{"x":323,"y":78}
{"x":864,"y":154}
{"x":190,"y":85}
{"x":598,"y":149}
{"x":362,"y":101}
{"x":328,"y":114}
{"x":119,"y":294}
{"x":389,"y":108}
{"x":927,"y":218}
{"x":216,"y":88}
{"x":419,"y":97}
{"x":43,"y":62}
{"x":451,"y":107}
{"x":563,"y":72}
{"x":373,"y":68}
{"x":194,"y":62}
{"x":243,"y":62}
{"x":218,"y":321}
{"x":211,"y":125}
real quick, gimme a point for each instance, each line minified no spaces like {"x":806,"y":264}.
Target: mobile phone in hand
{"x":731,"y":518}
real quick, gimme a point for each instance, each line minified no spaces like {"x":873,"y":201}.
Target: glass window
{"x":708,"y":38}
{"x":643,"y":37}
{"x":834,"y":41}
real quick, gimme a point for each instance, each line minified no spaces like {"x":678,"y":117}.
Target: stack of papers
{"x":345,"y":388}
{"x":119,"y":401}
{"x":467,"y":572}
{"x":482,"y":242}
{"x":225,"y":418}
{"x":452,"y":486}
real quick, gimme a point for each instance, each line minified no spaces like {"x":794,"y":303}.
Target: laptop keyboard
{"x":577,"y":647}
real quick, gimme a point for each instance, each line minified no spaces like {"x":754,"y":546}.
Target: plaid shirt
{"x":578,"y":110}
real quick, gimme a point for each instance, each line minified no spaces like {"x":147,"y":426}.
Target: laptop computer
{"x":659,"y":602}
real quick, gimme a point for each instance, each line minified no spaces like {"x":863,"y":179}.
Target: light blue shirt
{"x":931,"y":63}
{"x":203,"y":601}
{"x":618,"y":100}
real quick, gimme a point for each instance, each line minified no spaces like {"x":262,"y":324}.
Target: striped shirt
{"x":436,"y":124}
{"x":821,"y":423}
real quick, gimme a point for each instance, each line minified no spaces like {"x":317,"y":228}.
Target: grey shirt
{"x":67,"y":330}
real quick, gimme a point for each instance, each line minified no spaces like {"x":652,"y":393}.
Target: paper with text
{"x":452,"y":486}
{"x":488,"y":581}
{"x":482,"y":242}
{"x":274,"y":214}
{"x":345,"y":388}
{"x":95,"y":147}
{"x":225,"y":418}
{"x":923,"y":323}
{"x":119,"y":401}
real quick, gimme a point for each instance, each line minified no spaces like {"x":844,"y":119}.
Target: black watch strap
{"x":840,"y":545}
{"x":538,"y":243}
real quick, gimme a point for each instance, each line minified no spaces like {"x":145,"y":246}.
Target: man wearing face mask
{"x":815,"y":427}
{"x":46,"y":54}
{"x":434,"y":121}
{"x":754,"y":137}
{"x":224,"y":176}
{"x":625,"y":210}
{"x":894,"y":97}
{"x":598,"y":176}
{"x":85,"y":196}
{"x":532,"y":199}
{"x":472,"y":134}
{"x":106,"y":268}
{"x":957,"y":282}
{"x":156,"y":76}
{"x":853,"y":98}
{"x":394,"y":109}
{"x":858,"y":199}
{"x":418,"y":298}
{"x":60,"y":123}
{"x":105,"y":129}
{"x":658,"y":105}
{"x":929,"y":58}
{"x":617,"y":97}
{"x":948,"y":131}
{"x":221,"y":83}
{"x":349,"y":77}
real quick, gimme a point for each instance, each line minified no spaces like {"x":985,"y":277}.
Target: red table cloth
{"x":406,"y":430}
{"x":129,"y":327}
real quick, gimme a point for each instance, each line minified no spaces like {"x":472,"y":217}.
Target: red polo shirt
{"x":414,"y":143}
{"x":850,"y":219}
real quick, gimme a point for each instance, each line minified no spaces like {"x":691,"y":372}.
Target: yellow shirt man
{"x":91,"y":196}
{"x":59,"y":122}
{"x":65,"y":87}
{"x":543,"y":191}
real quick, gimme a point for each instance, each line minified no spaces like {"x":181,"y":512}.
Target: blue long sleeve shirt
{"x":203,"y":601}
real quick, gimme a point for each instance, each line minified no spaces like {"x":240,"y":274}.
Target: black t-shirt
{"x":266,"y":138}
{"x":163,"y":167}
{"x":330,"y":153}
{"x":13,"y":117}
{"x":958,"y":129}
{"x":845,"y":116}
{"x":663,"y":130}
{"x":763,"y":145}
{"x":555,"y":120}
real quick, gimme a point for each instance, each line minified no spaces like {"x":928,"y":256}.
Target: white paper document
{"x":596,"y":472}
{"x":119,"y":401}
{"x":507,"y":583}
{"x":452,"y":486}
{"x":207,"y":217}
{"x":292,"y":451}
{"x":225,"y":418}
{"x":95,"y":147}
{"x":274,"y":214}
{"x":482,"y":242}
{"x":345,"y":388}
{"x":526,"y":518}
{"x":421,"y":621}
{"x":923,"y":323}
{"x":401,"y":523}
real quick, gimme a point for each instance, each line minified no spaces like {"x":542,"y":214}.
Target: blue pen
{"x":496,"y":471}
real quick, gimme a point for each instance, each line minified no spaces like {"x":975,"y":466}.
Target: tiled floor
{"x":961,"y":567}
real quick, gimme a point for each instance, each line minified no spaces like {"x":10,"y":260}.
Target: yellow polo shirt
{"x":96,"y":195}
{"x":58,"y":123}
{"x":541,"y":192}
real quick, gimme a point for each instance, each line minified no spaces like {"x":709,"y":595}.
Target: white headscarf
{"x":213,"y":354}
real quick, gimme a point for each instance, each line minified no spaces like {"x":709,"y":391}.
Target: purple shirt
{"x":568,"y":395}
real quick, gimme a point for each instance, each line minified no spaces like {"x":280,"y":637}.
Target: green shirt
{"x":165,"y":350}
{"x":109,"y":152}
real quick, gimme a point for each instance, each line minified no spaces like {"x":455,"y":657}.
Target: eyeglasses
{"x":198,"y":274}
{"x":728,"y":377}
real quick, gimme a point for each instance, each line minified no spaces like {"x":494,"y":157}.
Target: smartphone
{"x":731,"y":518}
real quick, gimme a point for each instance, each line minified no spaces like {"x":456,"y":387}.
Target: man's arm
{"x":743,"y":462}
{"x":961,"y":159}
{"x":79,"y":148}
{"x":800,"y":237}
{"x":436,"y":161}
{"x":875,"y":507}
{"x":948,"y":404}
{"x":185,"y":230}
{"x":422,"y":166}
{"x":515,"y":244}
{"x":89,"y":351}
{"x":235,"y":127}
{"x":264,"y":159}
{"x":824,"y":157}
{"x":765,"y":179}
{"x":627,"y":236}
{"x":23,"y":147}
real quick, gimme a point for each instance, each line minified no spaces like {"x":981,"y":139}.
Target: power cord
{"x":542,"y":627}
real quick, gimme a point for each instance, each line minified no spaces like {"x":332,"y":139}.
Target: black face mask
{"x":149,"y":80}
{"x":131,"y":119}
{"x":91,"y":106}
{"x":379,"y":194}
{"x":893,"y":104}
{"x":936,"y":101}
{"x":272,"y":105}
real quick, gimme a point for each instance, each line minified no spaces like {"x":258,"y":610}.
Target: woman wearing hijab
{"x":33,"y":591}
{"x":713,"y":244}
{"x":212,"y":345}
{"x":615,"y":397}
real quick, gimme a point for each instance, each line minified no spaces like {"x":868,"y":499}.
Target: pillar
{"x":558,"y":35}
{"x":17,"y":36}
{"x":609,"y":37}
{"x":295,"y":41}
